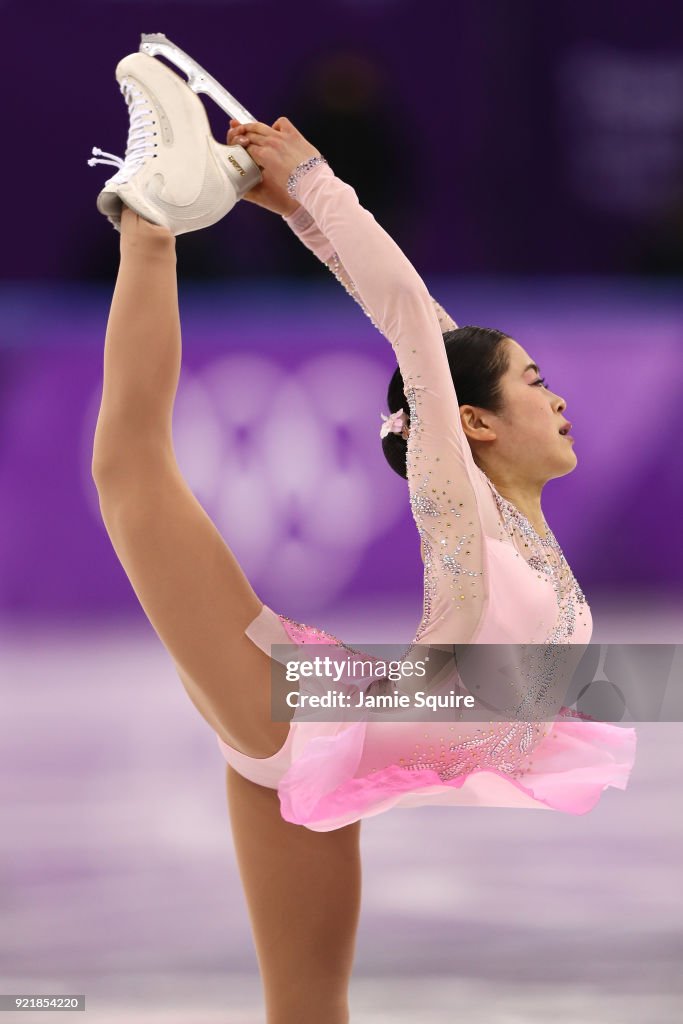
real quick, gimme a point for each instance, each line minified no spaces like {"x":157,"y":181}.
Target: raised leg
{"x":303,"y":892}
{"x":186,"y":578}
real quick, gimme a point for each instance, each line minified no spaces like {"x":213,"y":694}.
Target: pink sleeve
{"x":442,"y":475}
{"x":308,"y":232}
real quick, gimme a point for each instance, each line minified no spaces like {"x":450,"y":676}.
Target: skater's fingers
{"x":283,"y":124}
{"x":239,"y":129}
{"x":257,"y":152}
{"x":237,"y":133}
{"x":251,"y":140}
{"x":266,"y":144}
{"x":258,"y":128}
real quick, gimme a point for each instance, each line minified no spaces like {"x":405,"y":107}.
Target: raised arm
{"x":307,"y":231}
{"x":442,"y":476}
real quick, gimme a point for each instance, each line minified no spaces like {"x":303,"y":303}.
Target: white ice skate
{"x":174,"y":172}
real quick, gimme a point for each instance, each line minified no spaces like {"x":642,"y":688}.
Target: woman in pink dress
{"x":493,"y":571}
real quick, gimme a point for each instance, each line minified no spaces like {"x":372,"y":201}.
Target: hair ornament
{"x":395,"y":423}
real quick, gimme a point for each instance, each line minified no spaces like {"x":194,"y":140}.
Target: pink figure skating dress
{"x":489,"y":578}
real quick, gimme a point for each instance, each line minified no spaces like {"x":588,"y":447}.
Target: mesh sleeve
{"x":308,"y":232}
{"x":441,"y":471}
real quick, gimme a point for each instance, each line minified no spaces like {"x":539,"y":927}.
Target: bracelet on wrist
{"x":299,"y":171}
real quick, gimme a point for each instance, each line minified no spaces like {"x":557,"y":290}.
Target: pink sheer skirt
{"x":329,"y":774}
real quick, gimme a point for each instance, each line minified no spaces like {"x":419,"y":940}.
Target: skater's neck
{"x":525,"y":496}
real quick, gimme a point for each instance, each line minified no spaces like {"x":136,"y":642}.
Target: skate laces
{"x":138,"y":148}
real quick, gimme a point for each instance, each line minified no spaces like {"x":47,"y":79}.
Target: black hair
{"x":477,"y":359}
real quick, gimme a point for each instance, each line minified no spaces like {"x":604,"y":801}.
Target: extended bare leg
{"x":187,"y":580}
{"x":303,"y":893}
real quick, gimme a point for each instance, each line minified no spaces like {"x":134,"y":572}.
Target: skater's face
{"x":524,"y":437}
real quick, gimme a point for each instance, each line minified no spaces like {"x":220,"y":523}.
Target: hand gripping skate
{"x":174,"y":172}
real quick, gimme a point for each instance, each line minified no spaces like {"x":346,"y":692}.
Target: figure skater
{"x":476,"y":431}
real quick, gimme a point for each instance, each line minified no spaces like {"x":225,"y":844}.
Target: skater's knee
{"x":119,"y":462}
{"x":105,"y":468}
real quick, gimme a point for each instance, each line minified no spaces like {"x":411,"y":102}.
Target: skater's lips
{"x":565,"y":428}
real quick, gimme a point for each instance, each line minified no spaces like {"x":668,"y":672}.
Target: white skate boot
{"x":174,"y":172}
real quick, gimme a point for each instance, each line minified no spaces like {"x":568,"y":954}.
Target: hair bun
{"x":395,"y":448}
{"x":477,"y":359}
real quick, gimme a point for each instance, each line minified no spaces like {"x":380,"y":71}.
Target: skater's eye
{"x":541,"y":380}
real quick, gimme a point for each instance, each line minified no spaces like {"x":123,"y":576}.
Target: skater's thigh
{"x":195,"y":594}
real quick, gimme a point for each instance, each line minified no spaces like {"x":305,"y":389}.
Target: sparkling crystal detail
{"x":442,"y":508}
{"x":299,"y":171}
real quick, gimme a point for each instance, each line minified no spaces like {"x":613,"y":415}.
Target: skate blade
{"x":198,"y":79}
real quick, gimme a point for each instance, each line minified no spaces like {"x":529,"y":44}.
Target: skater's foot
{"x":174,"y":173}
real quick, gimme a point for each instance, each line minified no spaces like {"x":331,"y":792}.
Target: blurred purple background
{"x":276,"y":428}
{"x":497,"y":137}
{"x":529,"y":159}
